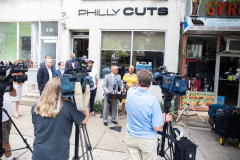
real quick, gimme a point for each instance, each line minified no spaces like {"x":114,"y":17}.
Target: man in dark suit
{"x":110,"y":85}
{"x":59,"y":72}
{"x":43,"y":64}
{"x":72,"y":62}
{"x":44,"y":74}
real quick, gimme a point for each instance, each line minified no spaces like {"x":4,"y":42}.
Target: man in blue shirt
{"x":144,"y":119}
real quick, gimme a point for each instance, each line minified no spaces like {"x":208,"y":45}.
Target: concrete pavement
{"x":109,"y":144}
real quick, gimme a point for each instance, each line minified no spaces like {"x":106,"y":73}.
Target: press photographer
{"x":18,"y":86}
{"x":8,"y":74}
{"x":53,"y":117}
{"x":144,"y":119}
{"x":6,"y":123}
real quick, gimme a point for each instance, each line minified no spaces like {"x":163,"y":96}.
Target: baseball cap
{"x":90,"y":61}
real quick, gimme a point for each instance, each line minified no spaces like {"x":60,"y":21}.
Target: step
{"x":34,"y":96}
{"x":28,"y":101}
{"x":34,"y":91}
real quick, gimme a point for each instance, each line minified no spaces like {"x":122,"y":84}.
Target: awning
{"x":204,"y":25}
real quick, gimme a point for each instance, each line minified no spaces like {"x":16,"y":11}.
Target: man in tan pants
{"x":144,"y":119}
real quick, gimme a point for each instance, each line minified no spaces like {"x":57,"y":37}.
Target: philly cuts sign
{"x":128,"y":11}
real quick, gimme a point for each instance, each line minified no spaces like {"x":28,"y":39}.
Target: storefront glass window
{"x":116,"y":50}
{"x":8,"y":41}
{"x":49,"y":28}
{"x":25,"y":41}
{"x":200,"y":71}
{"x":147,"y":48}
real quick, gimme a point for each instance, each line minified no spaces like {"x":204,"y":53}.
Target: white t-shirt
{"x":94,"y":75}
{"x":7,"y":105}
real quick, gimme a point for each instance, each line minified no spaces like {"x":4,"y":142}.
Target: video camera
{"x":78,"y":74}
{"x":7,"y":70}
{"x":172,"y":83}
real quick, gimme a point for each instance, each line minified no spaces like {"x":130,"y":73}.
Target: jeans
{"x":92,"y":98}
{"x":40,"y":90}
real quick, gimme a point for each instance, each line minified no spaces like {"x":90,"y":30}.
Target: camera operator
{"x":6,"y":123}
{"x":53,"y":117}
{"x":144,"y":119}
{"x":18,"y":86}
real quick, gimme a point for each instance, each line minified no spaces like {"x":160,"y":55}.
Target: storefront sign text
{"x":232,"y":9}
{"x":128,"y":11}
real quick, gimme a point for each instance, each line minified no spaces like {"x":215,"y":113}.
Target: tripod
{"x":167,"y":130}
{"x":186,"y":110}
{"x":2,"y":150}
{"x":83,"y":133}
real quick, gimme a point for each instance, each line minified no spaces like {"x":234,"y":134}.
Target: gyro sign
{"x":128,"y":11}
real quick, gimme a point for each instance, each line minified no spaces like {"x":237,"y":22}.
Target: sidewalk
{"x":109,"y":144}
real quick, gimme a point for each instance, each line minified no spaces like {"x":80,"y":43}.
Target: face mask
{"x":85,"y":60}
{"x":62,"y":67}
{"x":73,"y":59}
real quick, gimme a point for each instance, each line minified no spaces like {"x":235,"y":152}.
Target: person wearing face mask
{"x":72,"y":62}
{"x":85,"y":58}
{"x":61,"y":69}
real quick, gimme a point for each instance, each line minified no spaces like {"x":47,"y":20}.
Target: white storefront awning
{"x":204,"y":25}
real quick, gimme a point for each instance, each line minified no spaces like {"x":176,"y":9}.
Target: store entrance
{"x":80,"y":45}
{"x":228,"y":84}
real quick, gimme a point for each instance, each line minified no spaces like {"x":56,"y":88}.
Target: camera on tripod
{"x":10,"y":72}
{"x":170,"y":82}
{"x":78,"y":74}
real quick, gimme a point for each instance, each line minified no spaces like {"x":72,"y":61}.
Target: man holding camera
{"x":110,"y":86}
{"x":144,"y":119}
{"x":6,"y":123}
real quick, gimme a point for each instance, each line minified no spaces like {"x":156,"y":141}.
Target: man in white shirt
{"x":6,"y":123}
{"x":93,"y":89}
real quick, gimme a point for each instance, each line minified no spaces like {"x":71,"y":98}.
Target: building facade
{"x":141,"y":33}
{"x":211,"y":53}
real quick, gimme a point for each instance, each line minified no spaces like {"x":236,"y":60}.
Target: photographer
{"x":18,"y":86}
{"x":6,"y":123}
{"x":144,"y":119}
{"x":53,"y":117}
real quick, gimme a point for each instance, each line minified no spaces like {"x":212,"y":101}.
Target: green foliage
{"x":98,"y":106}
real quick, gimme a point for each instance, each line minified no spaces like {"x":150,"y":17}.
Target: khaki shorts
{"x":140,"y":149}
{"x":6,"y":127}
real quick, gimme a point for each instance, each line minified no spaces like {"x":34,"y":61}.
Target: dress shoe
{"x":105,"y":123}
{"x":115,"y":122}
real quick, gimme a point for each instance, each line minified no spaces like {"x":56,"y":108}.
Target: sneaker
{"x":92,"y":113}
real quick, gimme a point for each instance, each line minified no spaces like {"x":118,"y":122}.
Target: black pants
{"x":92,"y":98}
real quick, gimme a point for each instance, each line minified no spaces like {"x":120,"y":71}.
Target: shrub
{"x":98,"y":106}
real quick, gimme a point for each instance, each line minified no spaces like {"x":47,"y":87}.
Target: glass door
{"x":80,"y":46}
{"x":228,"y":89}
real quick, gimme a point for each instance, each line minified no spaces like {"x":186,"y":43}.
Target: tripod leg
{"x":24,"y":140}
{"x":181,"y":113}
{"x":82,"y":145}
{"x":197,"y":114}
{"x":90,"y":147}
{"x":161,"y":153}
{"x":76,"y":156}
{"x":85,"y":140}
